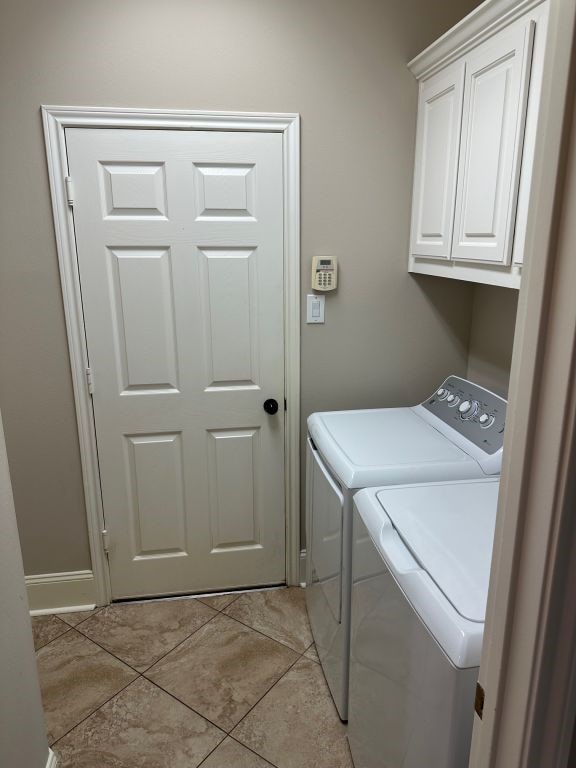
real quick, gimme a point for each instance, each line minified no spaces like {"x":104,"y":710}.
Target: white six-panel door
{"x":437,"y":144}
{"x":180,"y":255}
{"x":495,"y":94}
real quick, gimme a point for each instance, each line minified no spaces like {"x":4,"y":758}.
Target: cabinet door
{"x":495,"y":96}
{"x":437,"y":142}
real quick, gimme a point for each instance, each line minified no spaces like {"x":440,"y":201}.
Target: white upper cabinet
{"x":495,"y":95}
{"x":477,"y":111}
{"x":439,"y":119}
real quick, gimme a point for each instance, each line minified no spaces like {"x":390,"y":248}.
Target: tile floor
{"x":230,"y":681}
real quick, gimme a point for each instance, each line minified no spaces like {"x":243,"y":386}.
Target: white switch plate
{"x":314,"y":308}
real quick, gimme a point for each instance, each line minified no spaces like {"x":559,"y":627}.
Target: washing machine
{"x":456,"y":433}
{"x":417,"y":621}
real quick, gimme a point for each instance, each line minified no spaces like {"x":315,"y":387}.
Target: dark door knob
{"x":271,"y":406}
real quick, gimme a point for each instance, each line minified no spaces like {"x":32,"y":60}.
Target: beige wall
{"x":492,"y":336}
{"x":22,"y":731}
{"x":388,"y":339}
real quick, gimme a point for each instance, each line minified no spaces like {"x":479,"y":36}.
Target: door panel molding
{"x":55,"y":120}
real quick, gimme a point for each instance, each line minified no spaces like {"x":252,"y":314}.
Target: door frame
{"x":528,"y":665}
{"x":55,"y":120}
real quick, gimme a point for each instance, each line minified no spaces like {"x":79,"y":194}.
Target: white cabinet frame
{"x":56,"y":119}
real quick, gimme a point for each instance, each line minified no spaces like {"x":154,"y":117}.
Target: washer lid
{"x":387,"y":445}
{"x":449,"y":529}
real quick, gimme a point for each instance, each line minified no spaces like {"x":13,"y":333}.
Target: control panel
{"x":324,"y":273}
{"x":476,"y":413}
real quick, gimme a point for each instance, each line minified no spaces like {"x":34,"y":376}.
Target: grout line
{"x":212,"y":751}
{"x":220,"y":610}
{"x":94,"y":613}
{"x":184,"y":704}
{"x":146,"y":669}
{"x":89,"y":715}
{"x":255,"y":705}
{"x":316,"y":661}
{"x":46,"y":644}
{"x":282,"y":676}
{"x":228,"y":736}
{"x":300,"y":657}
{"x":102,"y":648}
{"x":274,"y":765}
{"x":68,"y":628}
{"x":280,"y":642}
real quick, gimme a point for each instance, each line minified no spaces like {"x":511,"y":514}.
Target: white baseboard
{"x":50,"y":592}
{"x":302,"y":567}
{"x":52,"y":761}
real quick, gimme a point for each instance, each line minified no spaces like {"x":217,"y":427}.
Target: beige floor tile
{"x":219,"y":602}
{"x":142,"y":727}
{"x":296,"y":725}
{"x":222,"y":670}
{"x":46,"y":628}
{"x":76,"y":677}
{"x":75,"y":617}
{"x":141,"y":633}
{"x":312,"y":653}
{"x":278,"y":613}
{"x":230,"y":754}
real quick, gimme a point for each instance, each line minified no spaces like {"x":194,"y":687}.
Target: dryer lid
{"x":386,"y":446}
{"x":449,"y":529}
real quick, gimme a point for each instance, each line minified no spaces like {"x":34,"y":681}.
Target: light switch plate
{"x":314,"y":308}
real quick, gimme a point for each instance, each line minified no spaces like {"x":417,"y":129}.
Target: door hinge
{"x":69,"y":190}
{"x":285,"y":404}
{"x":479,"y":701}
{"x":105,"y":541}
{"x":90,"y":380}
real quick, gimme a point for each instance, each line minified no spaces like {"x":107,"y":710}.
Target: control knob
{"x":442,"y":393}
{"x":468,"y":409}
{"x":486,"y":420}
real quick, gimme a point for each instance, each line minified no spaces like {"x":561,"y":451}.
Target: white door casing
{"x":175,"y":231}
{"x":436,"y":161}
{"x":494,"y":112}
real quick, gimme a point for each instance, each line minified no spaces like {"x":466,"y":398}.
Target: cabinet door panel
{"x":495,"y":95}
{"x":437,"y":141}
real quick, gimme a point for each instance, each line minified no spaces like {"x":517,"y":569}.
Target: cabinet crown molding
{"x":482,"y":23}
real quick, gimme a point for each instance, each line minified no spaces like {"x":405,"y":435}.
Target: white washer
{"x":418,"y":609}
{"x":457,"y":433}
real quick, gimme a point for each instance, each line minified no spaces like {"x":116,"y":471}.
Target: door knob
{"x":271,"y":406}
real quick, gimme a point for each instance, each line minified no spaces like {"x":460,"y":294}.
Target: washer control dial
{"x":486,"y":420}
{"x":452,"y":400}
{"x":442,"y":393}
{"x":468,"y":409}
